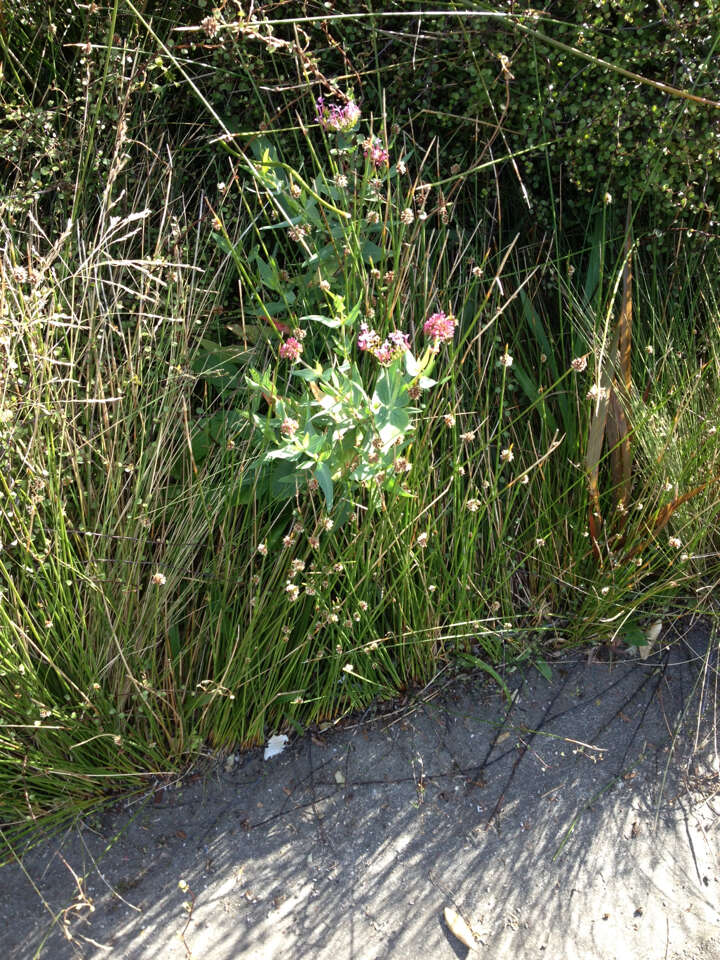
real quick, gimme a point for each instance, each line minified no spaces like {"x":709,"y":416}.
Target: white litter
{"x":651,"y":635}
{"x":275,"y":745}
{"x":459,"y":928}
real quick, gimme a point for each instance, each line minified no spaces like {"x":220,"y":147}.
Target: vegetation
{"x":294,"y":416}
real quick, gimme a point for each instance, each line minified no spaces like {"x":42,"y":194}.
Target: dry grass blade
{"x":596,"y":438}
{"x":662,"y":517}
{"x":626,"y":309}
{"x":618,"y":438}
{"x":610,"y":420}
{"x":618,"y":426}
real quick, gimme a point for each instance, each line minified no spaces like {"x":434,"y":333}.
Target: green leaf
{"x":260,"y":382}
{"x":313,"y":443}
{"x":200,"y":444}
{"x":218,"y":365}
{"x":274,"y":307}
{"x":355,"y":312}
{"x":392,"y":422}
{"x":322,"y":475}
{"x":282,"y":481}
{"x":233,"y":251}
{"x":326,"y":254}
{"x":388,"y":389}
{"x":332,"y":322}
{"x":304,"y":374}
{"x":474,"y":661}
{"x":343,"y":513}
{"x":282,"y":453}
{"x":542,"y":667}
{"x":535,"y":323}
{"x":412,"y":366}
{"x":298,"y":727}
{"x":371,"y":252}
{"x":633,"y":635}
{"x":174,"y":641}
{"x":268,"y":272}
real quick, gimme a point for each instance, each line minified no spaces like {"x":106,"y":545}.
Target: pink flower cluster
{"x":337,"y":119}
{"x":386,"y":351}
{"x":367,"y":338}
{"x":440,"y":326}
{"x":376,"y":153}
{"x":291,"y":349}
{"x":289,"y":427}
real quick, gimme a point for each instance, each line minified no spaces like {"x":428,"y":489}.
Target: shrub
{"x":457,"y":77}
{"x":609,"y":131}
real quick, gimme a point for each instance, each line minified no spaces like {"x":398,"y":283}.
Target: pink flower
{"x":440,"y":326}
{"x":289,"y":427}
{"x":291,"y":349}
{"x":395,"y":344}
{"x":399,"y":340}
{"x":376,"y":153}
{"x":384,"y":353}
{"x":335,"y":118}
{"x":367,"y":338}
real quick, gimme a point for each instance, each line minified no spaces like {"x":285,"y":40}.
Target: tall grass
{"x":145,"y":614}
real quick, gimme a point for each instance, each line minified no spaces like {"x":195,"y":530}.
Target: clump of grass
{"x":165,"y":588}
{"x":146,"y":604}
{"x":97,"y":333}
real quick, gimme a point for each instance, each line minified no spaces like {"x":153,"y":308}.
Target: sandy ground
{"x":580,"y":821}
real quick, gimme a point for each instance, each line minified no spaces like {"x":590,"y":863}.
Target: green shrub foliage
{"x":455,"y":77}
{"x":605,"y":131}
{"x":609,"y":131}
